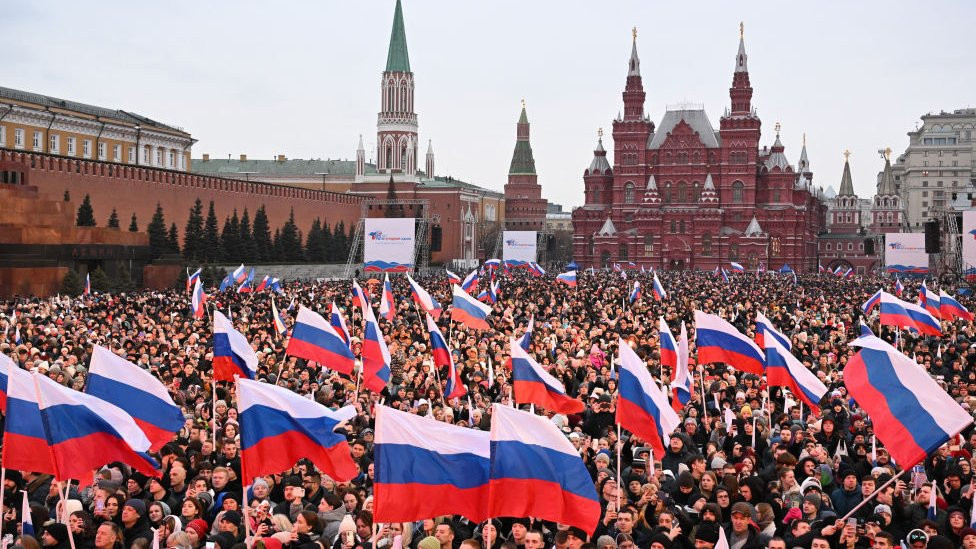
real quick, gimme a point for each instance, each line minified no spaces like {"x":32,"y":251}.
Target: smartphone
{"x":99,"y":505}
{"x":852,"y":523}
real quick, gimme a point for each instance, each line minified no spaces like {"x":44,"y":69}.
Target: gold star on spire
{"x":742,"y":30}
{"x":599,"y":133}
{"x":634,"y":32}
{"x":847,"y":154}
{"x":887,"y":153}
{"x":777,"y":126}
{"x":523,"y":103}
{"x":804,"y":139}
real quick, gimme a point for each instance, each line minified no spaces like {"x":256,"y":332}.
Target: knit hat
{"x":718,"y":463}
{"x":662,"y":539}
{"x":347,"y":524}
{"x":72,"y":505}
{"x":707,"y":531}
{"x":58,"y":531}
{"x":430,"y":542}
{"x":815,"y":499}
{"x":744,"y":508}
{"x":686,"y":480}
{"x":232,"y":517}
{"x":967,"y":531}
{"x":881,"y":508}
{"x":576,"y":533}
{"x":224,"y":540}
{"x":164,"y":506}
{"x":138,"y":505}
{"x":199,"y":526}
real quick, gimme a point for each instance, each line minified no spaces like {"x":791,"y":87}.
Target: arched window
{"x":673,"y":226}
{"x":596,"y":195}
{"x":707,"y":244}
{"x":629,"y":192}
{"x":733,"y":251}
{"x":682,"y":191}
{"x":737,"y":189}
{"x":696,"y":191}
{"x":667,"y":193}
{"x":389,"y":156}
{"x":681,"y":226}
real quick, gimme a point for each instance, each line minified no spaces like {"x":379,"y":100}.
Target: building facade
{"x":938,"y":162}
{"x":681,"y":195}
{"x":43,"y":124}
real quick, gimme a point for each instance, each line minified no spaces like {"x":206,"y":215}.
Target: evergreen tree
{"x":314,"y":250}
{"x":67,"y":198}
{"x":249,"y":248}
{"x":157,"y":233}
{"x":86,"y":215}
{"x":291,"y":240}
{"x":173,"y":239}
{"x":113,"y":220}
{"x":328,"y":246}
{"x":211,"y":236}
{"x":100,"y":282}
{"x":276,"y":253}
{"x":230,"y":239}
{"x":133,"y":225}
{"x":262,"y":236}
{"x":340,"y":242}
{"x":72,"y":284}
{"x":391,"y":194}
{"x":123,"y":279}
{"x":193,"y":245}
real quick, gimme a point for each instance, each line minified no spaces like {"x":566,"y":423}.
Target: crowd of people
{"x":772,"y":474}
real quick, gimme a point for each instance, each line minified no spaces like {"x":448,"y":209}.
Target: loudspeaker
{"x":435,"y":238}
{"x":868,"y":246}
{"x":932,"y":237}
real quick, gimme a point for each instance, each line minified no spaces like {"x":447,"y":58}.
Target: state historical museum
{"x":684,"y":196}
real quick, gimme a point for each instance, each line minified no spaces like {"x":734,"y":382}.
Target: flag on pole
{"x":895,"y":312}
{"x":387,"y":308}
{"x":339,"y":324}
{"x":949,"y":307}
{"x":635,"y":294}
{"x":424,"y":299}
{"x":470,"y":282}
{"x":469,"y":311}
{"x":452,"y":278}
{"x":376,"y":356}
{"x":871,"y":303}
{"x":443,"y":359}
{"x":312,"y":338}
{"x":87,"y":290}
{"x":199,"y":300}
{"x":641,"y":407}
{"x":191,"y":279}
{"x":681,"y":379}
{"x":232,"y":355}
{"x":26,"y":523}
{"x":568,"y":278}
{"x":719,"y":341}
{"x":278,"y":319}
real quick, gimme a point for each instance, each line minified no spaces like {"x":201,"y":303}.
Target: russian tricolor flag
{"x":85,"y":432}
{"x":312,"y":338}
{"x":233,"y":354}
{"x":871,"y":302}
{"x":536,"y":269}
{"x":263,"y":285}
{"x":929,"y":300}
{"x":764,"y":327}
{"x":424,"y":299}
{"x":849,"y":272}
{"x":669,"y":348}
{"x":443,"y":359}
{"x":26,"y":522}
{"x":568,"y":278}
{"x":725,"y":275}
{"x":895,"y":312}
{"x":949,"y":307}
{"x":5,"y":365}
{"x":24,"y":445}
{"x":376,"y":357}
{"x":865,"y":330}
{"x":912,"y":415}
{"x":453,"y":278}
{"x":658,"y":289}
{"x":536,"y":472}
{"x":526,"y":340}
{"x":339,"y":324}
{"x":737,"y":267}
{"x":642,"y":408}
{"x":719,"y":341}
{"x":278,"y":319}
{"x":534,"y":385}
{"x":681,"y":377}
{"x":199,"y":300}
{"x":493,"y":263}
{"x":192,"y":279}
{"x":240,"y":274}
{"x":280,"y":427}
{"x":87,"y":290}
{"x":417,"y":457}
{"x":359,"y":297}
{"x":386,"y":299}
{"x":137,"y":392}
{"x":635,"y":294}
{"x":469,"y":311}
{"x":470,"y":282}
{"x":784,"y":370}
{"x":899,"y":287}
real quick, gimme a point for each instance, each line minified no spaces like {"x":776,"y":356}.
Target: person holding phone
{"x":295,"y":501}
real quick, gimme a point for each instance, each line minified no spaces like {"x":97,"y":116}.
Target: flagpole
{"x":64,"y":513}
{"x":619,"y":447}
{"x":247,"y":520}
{"x":3,"y":485}
{"x":213,"y":411}
{"x":876,"y":491}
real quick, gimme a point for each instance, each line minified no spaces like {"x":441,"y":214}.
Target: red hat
{"x":199,"y":526}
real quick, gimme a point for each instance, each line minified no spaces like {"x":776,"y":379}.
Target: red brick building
{"x":681,"y":195}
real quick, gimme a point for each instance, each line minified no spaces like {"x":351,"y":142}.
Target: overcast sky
{"x":302,"y":78}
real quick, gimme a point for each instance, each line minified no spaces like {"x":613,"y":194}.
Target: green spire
{"x":522,"y":160}
{"x":397,"y":59}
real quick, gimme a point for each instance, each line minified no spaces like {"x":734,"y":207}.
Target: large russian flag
{"x":669,"y":348}
{"x":5,"y":365}
{"x":912,"y":415}
{"x":469,"y":311}
{"x":427,"y":468}
{"x":443,"y":359}
{"x":312,"y":338}
{"x":764,"y":328}
{"x":423,"y":298}
{"x":719,"y":341}
{"x":85,"y":432}
{"x":376,"y":356}
{"x":536,"y":472}
{"x":24,"y":445}
{"x":280,"y":427}
{"x":929,"y":300}
{"x":895,"y":312}
{"x":642,"y":408}
{"x":533,"y":385}
{"x":784,"y":370}
{"x":872,"y":301}
{"x":387,"y":308}
{"x":470,"y":282}
{"x":453,"y":278}
{"x":568,"y":278}
{"x":658,"y":289}
{"x":681,"y":377}
{"x":137,"y":392}
{"x":339,"y":324}
{"x":949,"y":307}
{"x":233,"y":355}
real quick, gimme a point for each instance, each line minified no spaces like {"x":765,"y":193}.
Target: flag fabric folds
{"x":865,"y":330}
{"x":765,"y":328}
{"x":85,"y":432}
{"x":359,"y":297}
{"x":470,"y":282}
{"x":312,"y":338}
{"x":417,"y":457}
{"x":387,"y":308}
{"x":681,"y":378}
{"x":533,"y":385}
{"x":784,"y":370}
{"x":26,"y":524}
{"x":453,"y":278}
{"x":635,"y":294}
{"x":137,"y":392}
{"x":198,"y":301}
{"x":339,"y":324}
{"x":422,"y":298}
{"x":872,"y":302}
{"x":912,"y":415}
{"x":191,"y":279}
{"x":895,"y":312}
{"x":719,"y":341}
{"x":24,"y":445}
{"x":669,"y":348}
{"x":280,"y":427}
{"x":376,"y":357}
{"x":443,"y":359}
{"x":899,"y":287}
{"x":568,"y":278}
{"x":642,"y":408}
{"x":737,"y":267}
{"x":233,"y":354}
{"x":87,"y":289}
{"x":658,"y":289}
{"x":928,"y":299}
{"x":278,"y":319}
{"x":469,"y":311}
{"x":536,"y":472}
{"x":950,"y":308}
{"x":526,"y":340}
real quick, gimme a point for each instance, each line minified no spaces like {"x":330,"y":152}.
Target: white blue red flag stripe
{"x":872,"y":302}
{"x":359,"y":297}
{"x":719,"y":341}
{"x":137,"y":392}
{"x":950,"y":308}
{"x":280,"y":427}
{"x":784,"y":370}
{"x":5,"y":365}
{"x":529,"y":455}
{"x":24,"y":446}
{"x":470,"y":283}
{"x":240,"y":274}
{"x":642,"y":408}
{"x":278,"y":319}
{"x":312,"y":338}
{"x":26,"y":523}
{"x":87,"y":290}
{"x":929,"y":300}
{"x":493,"y":263}
{"x":669,"y":347}
{"x":681,"y":378}
{"x":424,"y":299}
{"x":912,"y":415}
{"x":737,"y":267}
{"x":725,"y":275}
{"x":895,"y":312}
{"x":635,"y":294}
{"x":376,"y":356}
{"x":568,"y":278}
{"x":534,"y":385}
{"x":85,"y":432}
{"x":443,"y":359}
{"x":387,"y":308}
{"x":899,"y":287}
{"x":233,"y":354}
{"x":199,"y":300}
{"x":764,"y":328}
{"x":526,"y":340}
{"x":865,"y":330}
{"x":469,"y":311}
{"x":453,"y":278}
{"x":192,"y":279}
{"x":658,"y":289}
{"x":339,"y":323}
{"x":417,"y":457}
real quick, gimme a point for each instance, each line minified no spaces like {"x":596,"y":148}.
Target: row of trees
{"x":86,"y":215}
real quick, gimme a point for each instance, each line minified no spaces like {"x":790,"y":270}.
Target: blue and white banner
{"x":905,"y":254}
{"x":518,"y":249}
{"x":388,"y":245}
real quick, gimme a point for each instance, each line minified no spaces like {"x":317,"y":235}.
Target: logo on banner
{"x":378,"y":235}
{"x":517,"y":244}
{"x":902,"y":246}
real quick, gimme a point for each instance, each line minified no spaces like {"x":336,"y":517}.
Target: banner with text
{"x":905,"y":254}
{"x":388,"y":245}
{"x":519,"y":248}
{"x":969,"y":244}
